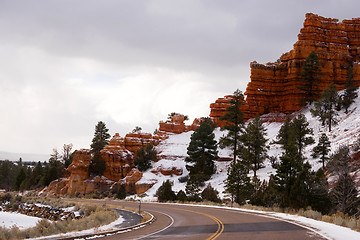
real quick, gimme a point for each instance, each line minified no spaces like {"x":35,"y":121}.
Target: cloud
{"x":67,"y":64}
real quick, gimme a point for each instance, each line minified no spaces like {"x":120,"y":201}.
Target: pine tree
{"x":301,"y":132}
{"x":21,"y":176}
{"x":202,"y":151}
{"x":238,"y":184}
{"x":286,"y":173}
{"x":144,"y":156}
{"x":193,"y":186}
{"x":285,"y":136}
{"x":100,"y":140}
{"x":210,"y":194}
{"x":322,"y":149}
{"x":310,"y":78}
{"x":350,"y":93}
{"x":253,"y":145}
{"x":325,"y":108}
{"x":165,"y":192}
{"x":319,"y":193}
{"x":181,"y":196}
{"x":234,"y":122}
{"x":121,"y":194}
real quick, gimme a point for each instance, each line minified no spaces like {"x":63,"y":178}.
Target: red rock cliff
{"x":274,"y":86}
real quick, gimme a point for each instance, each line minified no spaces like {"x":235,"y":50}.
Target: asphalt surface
{"x":196,"y":222}
{"x":130,"y":218}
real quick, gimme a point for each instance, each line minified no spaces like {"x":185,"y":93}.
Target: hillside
{"x":173,"y":150}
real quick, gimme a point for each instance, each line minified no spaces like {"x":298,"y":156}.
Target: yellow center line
{"x":219,"y":223}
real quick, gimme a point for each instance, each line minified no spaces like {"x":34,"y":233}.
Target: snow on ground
{"x":173,"y":150}
{"x":9,"y":219}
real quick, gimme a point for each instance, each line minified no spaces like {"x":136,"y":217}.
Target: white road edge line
{"x":252,"y":213}
{"x":172,"y":222}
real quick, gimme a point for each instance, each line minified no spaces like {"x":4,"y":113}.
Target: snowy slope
{"x":173,"y":150}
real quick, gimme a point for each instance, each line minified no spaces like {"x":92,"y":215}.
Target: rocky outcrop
{"x":274,"y":86}
{"x":218,"y":109}
{"x":79,"y":172}
{"x":131,"y":182}
{"x":119,"y":162}
{"x":177,"y":125}
{"x":168,"y":171}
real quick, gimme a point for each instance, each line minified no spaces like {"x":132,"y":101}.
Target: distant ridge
{"x":26,"y":157}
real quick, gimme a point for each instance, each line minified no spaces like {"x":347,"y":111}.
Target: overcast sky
{"x":67,"y":64}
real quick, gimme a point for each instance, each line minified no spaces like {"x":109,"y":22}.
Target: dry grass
{"x":95,"y":216}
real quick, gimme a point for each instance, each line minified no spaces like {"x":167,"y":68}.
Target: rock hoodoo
{"x":177,"y":125}
{"x":274,"y":86}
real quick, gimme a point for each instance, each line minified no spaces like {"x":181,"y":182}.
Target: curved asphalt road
{"x":196,"y":222}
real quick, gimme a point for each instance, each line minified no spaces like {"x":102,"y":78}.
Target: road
{"x":195,"y":222}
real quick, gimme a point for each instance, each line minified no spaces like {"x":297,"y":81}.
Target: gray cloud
{"x":67,"y":64}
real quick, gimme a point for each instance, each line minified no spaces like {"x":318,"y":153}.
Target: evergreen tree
{"x":21,"y":176}
{"x":234,"y":122}
{"x":322,"y":149}
{"x":100,"y":140}
{"x":350,"y":93}
{"x":319,"y":194}
{"x":253,"y":144}
{"x":181,"y":196}
{"x":310,"y":78}
{"x":286,"y":173}
{"x":165,"y":192}
{"x":8,"y":174}
{"x":238,"y":184}
{"x":54,"y":171}
{"x":210,"y":194}
{"x":121,"y":194}
{"x":285,"y":136}
{"x":325,"y":108}
{"x":192,"y":188}
{"x":202,"y":152}
{"x":304,"y":180}
{"x":144,"y":156}
{"x":301,"y":132}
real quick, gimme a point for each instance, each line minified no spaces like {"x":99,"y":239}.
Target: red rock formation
{"x":177,"y":125}
{"x":274,"y":86}
{"x":131,"y":182}
{"x":134,"y":141}
{"x":79,"y":172}
{"x":118,"y":160}
{"x":218,"y":109}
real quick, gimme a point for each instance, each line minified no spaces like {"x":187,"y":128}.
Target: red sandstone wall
{"x":274,"y":86}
